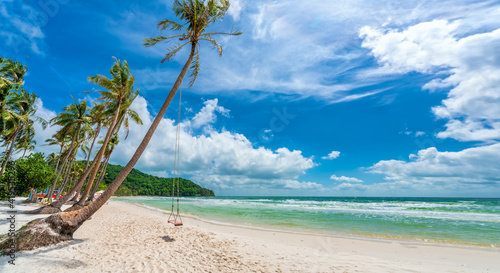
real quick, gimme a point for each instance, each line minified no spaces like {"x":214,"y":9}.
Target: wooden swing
{"x":175,"y":217}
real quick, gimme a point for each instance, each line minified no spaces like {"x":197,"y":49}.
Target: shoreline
{"x":326,"y":233}
{"x":341,"y":235}
{"x":127,"y":237}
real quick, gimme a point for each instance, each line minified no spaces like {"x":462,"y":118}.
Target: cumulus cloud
{"x":346,"y":179}
{"x":41,"y":134}
{"x":477,"y":165}
{"x":215,"y":158}
{"x":468,"y":65}
{"x":207,"y":115}
{"x":332,"y":155}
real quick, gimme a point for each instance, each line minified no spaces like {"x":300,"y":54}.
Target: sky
{"x":315,"y":98}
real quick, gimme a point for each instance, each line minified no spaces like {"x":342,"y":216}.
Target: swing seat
{"x":178,"y":224}
{"x":171,"y":221}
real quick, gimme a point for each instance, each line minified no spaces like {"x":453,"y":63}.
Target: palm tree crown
{"x":197,"y":15}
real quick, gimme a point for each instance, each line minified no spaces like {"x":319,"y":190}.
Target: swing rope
{"x":175,"y":218}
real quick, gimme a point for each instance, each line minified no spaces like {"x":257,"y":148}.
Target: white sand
{"x":123,"y":237}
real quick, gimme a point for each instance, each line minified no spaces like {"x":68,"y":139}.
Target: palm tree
{"x":116,"y":91}
{"x":58,"y":140}
{"x":98,"y":118}
{"x":23,"y":105}
{"x":11,"y":80}
{"x":26,"y":140}
{"x":73,"y":118}
{"x":197,"y":16}
{"x":119,"y":91}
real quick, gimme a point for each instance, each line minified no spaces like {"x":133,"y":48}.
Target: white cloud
{"x":42,"y":135}
{"x":207,"y":115}
{"x":332,"y":155}
{"x":469,"y":66}
{"x":235,"y":8}
{"x":349,"y":187}
{"x":478,"y":165}
{"x":215,"y":158}
{"x":298,"y":48}
{"x":22,"y":26}
{"x":346,"y":179}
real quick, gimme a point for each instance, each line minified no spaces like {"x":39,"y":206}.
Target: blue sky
{"x":357,"y":98}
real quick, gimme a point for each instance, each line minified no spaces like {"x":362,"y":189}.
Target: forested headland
{"x":139,"y":183}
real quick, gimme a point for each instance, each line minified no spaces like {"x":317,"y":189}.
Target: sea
{"x":466,"y":221}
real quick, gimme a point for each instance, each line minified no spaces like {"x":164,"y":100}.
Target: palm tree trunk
{"x":64,"y":161}
{"x":59,"y":158}
{"x":61,"y":190}
{"x":97,"y":131}
{"x":82,"y":200}
{"x":58,"y":204}
{"x":13,"y":143}
{"x":99,"y":181}
{"x":68,"y":171}
{"x":62,"y":169}
{"x":76,"y":194}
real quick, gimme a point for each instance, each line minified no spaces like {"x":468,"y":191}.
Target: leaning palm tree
{"x":26,"y":141}
{"x":197,"y":16}
{"x":119,"y":91}
{"x":23,"y":104}
{"x":72,"y":120}
{"x":11,"y":81}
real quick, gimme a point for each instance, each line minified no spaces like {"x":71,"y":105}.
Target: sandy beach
{"x":123,"y":237}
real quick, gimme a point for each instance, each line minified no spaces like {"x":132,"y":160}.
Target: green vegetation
{"x":29,"y":172}
{"x":139,"y":183}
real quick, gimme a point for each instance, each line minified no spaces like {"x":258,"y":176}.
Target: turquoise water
{"x":453,"y":220}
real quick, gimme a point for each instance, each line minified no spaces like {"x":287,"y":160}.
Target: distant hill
{"x":139,"y":183}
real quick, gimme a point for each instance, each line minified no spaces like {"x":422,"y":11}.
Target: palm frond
{"x":172,"y":51}
{"x":214,"y":44}
{"x":174,"y":26}
{"x":134,"y":116}
{"x":154,"y":40}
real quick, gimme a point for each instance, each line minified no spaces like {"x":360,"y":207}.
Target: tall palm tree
{"x":26,"y":140}
{"x":23,"y":104}
{"x":197,"y":16}
{"x":11,"y":80}
{"x":119,"y":91}
{"x":116,"y":90}
{"x":73,"y":118}
{"x":98,"y":118}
